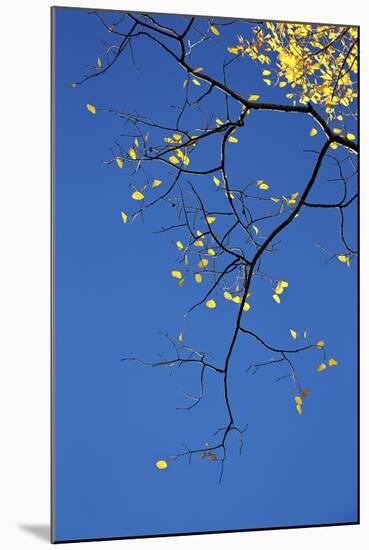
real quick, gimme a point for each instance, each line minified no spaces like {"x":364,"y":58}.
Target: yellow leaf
{"x":181,"y":282}
{"x":342,"y":259}
{"x":282,"y":84}
{"x":203,"y":262}
{"x":198,"y":70}
{"x":91,"y":108}
{"x":99,"y":62}
{"x":298,"y":400}
{"x":124,"y":216}
{"x":177,"y":274}
{"x":196,"y":82}
{"x":136,"y":142}
{"x":132,"y":153}
{"x":261,"y":184}
{"x":237,"y":299}
{"x":253,"y":97}
{"x":216,"y":181}
{"x":232,"y":139}
{"x":199,"y":234}
{"x":186,"y":259}
{"x":173,"y":159}
{"x":274,"y":199}
{"x":227,"y":295}
{"x":156,"y":183}
{"x":198,"y":277}
{"x":161,"y":464}
{"x":246,"y":306}
{"x":198,"y":243}
{"x":305,"y":392}
{"x":256,"y":229}
{"x":211,"y":304}
{"x":179,"y":245}
{"x":214,"y":30}
{"x":350,"y":137}
{"x":320,"y":344}
{"x":321,"y":367}
{"x":313,"y":132}
{"x":210,"y":219}
{"x":211,"y":252}
{"x":212,"y":456}
{"x":293,"y":333}
{"x":332,"y":362}
{"x":266,"y":72}
{"x":333,"y":146}
{"x":276,"y":298}
{"x":180,"y":338}
{"x":267,"y":81}
{"x":299,"y":409}
{"x":137,"y":196}
{"x":119,"y":162}
{"x":337,"y":130}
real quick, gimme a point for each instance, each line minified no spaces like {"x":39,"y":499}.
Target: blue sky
{"x":114,"y":294}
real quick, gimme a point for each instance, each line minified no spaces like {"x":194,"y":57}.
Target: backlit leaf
{"x":119,"y":162}
{"x":161,"y":464}
{"x":132,"y":153}
{"x":332,"y":362}
{"x":179,"y":245}
{"x":156,"y":183}
{"x":313,"y":132}
{"x":211,"y":304}
{"x":198,"y":277}
{"x":276,"y":298}
{"x":214,"y":30}
{"x":137,"y":196}
{"x":253,"y":97}
{"x":124,"y":216}
{"x":321,"y":367}
{"x":227,"y":295}
{"x":293,"y":333}
{"x":177,"y":274}
{"x":91,"y":108}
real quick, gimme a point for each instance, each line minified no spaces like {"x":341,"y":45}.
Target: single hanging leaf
{"x":298,"y":400}
{"x":198,"y":243}
{"x":198,"y":277}
{"x":181,"y":282}
{"x":216,"y":181}
{"x":305,"y":392}
{"x":198,"y":70}
{"x":276,"y":298}
{"x":161,"y":464}
{"x":293,"y":333}
{"x":332,"y":362}
{"x":299,"y":409}
{"x":232,"y":139}
{"x":119,"y":162}
{"x":99,"y":64}
{"x":320,"y":344}
{"x":156,"y":183}
{"x":137,"y":196}
{"x":227,"y":295}
{"x":321,"y":367}
{"x":132,"y":153}
{"x":196,"y":82}
{"x":313,"y":132}
{"x":173,"y":159}
{"x":253,"y":97}
{"x":203,"y":262}
{"x":210,"y":219}
{"x":214,"y":30}
{"x":246,"y":306}
{"x":211,"y":304}
{"x":124,"y":216}
{"x":180,"y":338}
{"x":179,"y":245}
{"x":211,"y":252}
{"x":91,"y":108}
{"x":176,"y":274}
{"x":351,"y":137}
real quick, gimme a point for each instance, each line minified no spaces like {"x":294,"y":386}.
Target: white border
{"x":24,"y":272}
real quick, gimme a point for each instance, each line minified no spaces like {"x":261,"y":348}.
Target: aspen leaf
{"x":132,"y":153}
{"x":298,"y":400}
{"x":276,"y":298}
{"x":161,"y":464}
{"x":156,"y":183}
{"x":253,"y":97}
{"x":203,"y":262}
{"x":267,"y":81}
{"x":266,"y":72}
{"x":210,"y":219}
{"x":181,"y":282}
{"x":299,"y":409}
{"x":293,"y":333}
{"x":274,"y":199}
{"x":177,"y":274}
{"x":211,"y":252}
{"x":179,"y":245}
{"x":227,"y":295}
{"x":216,"y":181}
{"x":350,"y":136}
{"x":136,"y":142}
{"x":99,"y":64}
{"x":173,"y":159}
{"x":321,"y":367}
{"x":198,"y":243}
{"x":282,"y":84}
{"x":180,"y":338}
{"x":333,"y":146}
{"x":198,"y":277}
{"x":211,"y":304}
{"x":119,"y":162}
{"x":214,"y":30}
{"x":237,"y":299}
{"x":246,"y":306}
{"x":137,"y":196}
{"x":313,"y":132}
{"x":320,"y":344}
{"x":196,"y":82}
{"x":198,"y":70}
{"x":332,"y":362}
{"x":91,"y":108}
{"x":232,"y":139}
{"x":256,"y":229}
{"x":262,"y":185}
{"x":199,"y":234}
{"x":342,"y":258}
{"x":219,"y":122}
{"x":124,"y":216}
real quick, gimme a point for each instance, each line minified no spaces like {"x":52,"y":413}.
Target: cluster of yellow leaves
{"x":237,"y":299}
{"x":332,"y":362}
{"x":278,"y":290}
{"x":262,"y":185}
{"x":319,"y":62}
{"x":299,"y":399}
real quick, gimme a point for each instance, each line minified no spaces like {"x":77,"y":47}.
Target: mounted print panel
{"x":205,"y":242}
